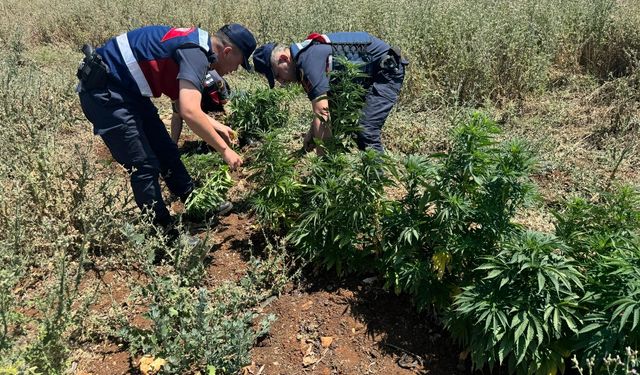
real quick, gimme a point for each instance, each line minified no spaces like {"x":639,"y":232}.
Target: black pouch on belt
{"x":92,"y":72}
{"x":393,"y":60}
{"x":398,"y":54}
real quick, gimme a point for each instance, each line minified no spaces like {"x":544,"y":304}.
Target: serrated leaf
{"x":547,"y":312}
{"x":530,"y":334}
{"x":589,"y":328}
{"x":556,"y":321}
{"x":541,"y":281}
{"x":539,"y":330}
{"x":520,"y":330}
{"x":625,"y":316}
{"x":570,"y":323}
{"x":516,"y":320}
{"x":493,"y":274}
{"x":504,"y":281}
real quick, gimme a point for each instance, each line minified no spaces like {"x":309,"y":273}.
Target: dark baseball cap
{"x":243,"y":39}
{"x":262,"y":62}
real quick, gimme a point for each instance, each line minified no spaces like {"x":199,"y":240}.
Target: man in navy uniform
{"x":309,"y":63}
{"x":117,"y":81}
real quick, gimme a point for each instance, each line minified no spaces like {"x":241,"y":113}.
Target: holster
{"x":92,"y":71}
{"x":393,"y":59}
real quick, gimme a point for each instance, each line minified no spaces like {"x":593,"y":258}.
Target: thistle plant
{"x":195,"y":328}
{"x":610,"y":365}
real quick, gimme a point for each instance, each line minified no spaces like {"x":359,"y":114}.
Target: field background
{"x":562,"y":75}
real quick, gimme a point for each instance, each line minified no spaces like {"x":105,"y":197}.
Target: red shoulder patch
{"x":176,"y":32}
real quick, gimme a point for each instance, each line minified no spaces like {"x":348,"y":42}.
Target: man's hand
{"x":201,"y":124}
{"x":320,"y":125}
{"x":308,"y":143}
{"x":231,"y":158}
{"x":228,"y":135}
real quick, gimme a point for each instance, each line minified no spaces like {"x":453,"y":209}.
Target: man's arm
{"x":320,"y":125}
{"x":189,"y":104}
{"x":176,"y":124}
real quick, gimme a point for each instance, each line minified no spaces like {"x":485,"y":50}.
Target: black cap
{"x":262,"y":62}
{"x":243,"y":39}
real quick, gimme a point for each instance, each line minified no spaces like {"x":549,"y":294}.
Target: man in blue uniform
{"x":117,"y":81}
{"x":310,"y":62}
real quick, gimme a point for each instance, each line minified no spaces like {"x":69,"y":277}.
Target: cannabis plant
{"x":341,"y":224}
{"x":601,"y":224}
{"x":604,"y":234}
{"x":212,"y":179}
{"x":457,"y":207}
{"x":276,"y":200}
{"x":256,"y":112}
{"x":205,"y":199}
{"x":524,"y":309}
{"x":200,"y":166}
{"x":346,"y":100}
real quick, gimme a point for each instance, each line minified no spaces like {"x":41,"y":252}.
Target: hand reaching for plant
{"x":231,"y":158}
{"x":227,"y":134}
{"x":308,"y":143}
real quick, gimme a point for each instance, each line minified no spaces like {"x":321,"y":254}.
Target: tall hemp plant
{"x":341,"y":224}
{"x":523,"y":310}
{"x":276,"y":200}
{"x":544,"y":297}
{"x":457,"y":207}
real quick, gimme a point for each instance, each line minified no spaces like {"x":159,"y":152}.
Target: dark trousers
{"x":381,"y":96}
{"x":132,"y":130}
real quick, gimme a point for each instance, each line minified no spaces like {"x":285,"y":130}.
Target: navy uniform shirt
{"x":312,"y":65}
{"x":194,"y":66}
{"x":215,"y":93}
